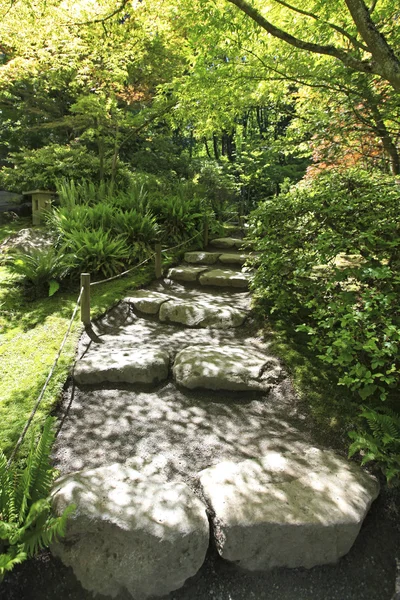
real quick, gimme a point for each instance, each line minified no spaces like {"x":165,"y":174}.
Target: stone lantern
{"x":41,"y":200}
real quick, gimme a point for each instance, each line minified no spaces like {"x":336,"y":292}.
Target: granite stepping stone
{"x":130,"y":531}
{"x":286,"y":509}
{"x":201,"y":258}
{"x":147,"y":301}
{"x":194,"y":314}
{"x":225,"y":278}
{"x":186,"y":273}
{"x":226,"y":368}
{"x":124,"y":365}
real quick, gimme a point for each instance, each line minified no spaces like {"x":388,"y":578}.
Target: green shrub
{"x":330,"y":263}
{"x":41,"y":271}
{"x":26,"y":523}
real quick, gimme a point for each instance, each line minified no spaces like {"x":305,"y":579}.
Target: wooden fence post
{"x":85,"y":299}
{"x":205,"y":232}
{"x":158,"y":264}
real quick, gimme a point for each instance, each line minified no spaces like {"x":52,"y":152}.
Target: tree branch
{"x":383,"y":63}
{"x":337,"y":28}
{"x":107,"y":17}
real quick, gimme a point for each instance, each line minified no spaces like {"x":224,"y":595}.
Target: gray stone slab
{"x":194,"y":314}
{"x":234,"y":259}
{"x":225,"y":278}
{"x":201,"y":258}
{"x":225,"y":242}
{"x":147,"y":301}
{"x":185,"y":273}
{"x":226,"y":368}
{"x":287,"y":510}
{"x":125,"y":365}
{"x":130,"y":531}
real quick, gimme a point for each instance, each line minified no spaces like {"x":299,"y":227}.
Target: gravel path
{"x":177,"y":433}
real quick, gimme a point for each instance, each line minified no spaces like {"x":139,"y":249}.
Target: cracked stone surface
{"x":286,"y":509}
{"x":130,"y":531}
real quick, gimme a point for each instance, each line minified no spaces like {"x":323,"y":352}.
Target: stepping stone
{"x":146,"y":301}
{"x":225,"y":278}
{"x":185,"y":273}
{"x":130,"y":531}
{"x":226,"y":368}
{"x":225,"y":242}
{"x":287,"y":510}
{"x":201,"y":315}
{"x":202,"y":258}
{"x":124,"y":365}
{"x":234,"y":259}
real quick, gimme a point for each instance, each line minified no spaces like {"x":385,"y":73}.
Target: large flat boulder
{"x":201,"y":258}
{"x":225,"y":278}
{"x":226,"y":368}
{"x":193,"y":314}
{"x":147,"y":301}
{"x":124,"y":365}
{"x":130,"y":531}
{"x":185,"y":273}
{"x":286,"y":510}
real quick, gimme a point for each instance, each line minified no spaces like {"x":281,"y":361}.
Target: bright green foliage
{"x":380,"y":441}
{"x":331,"y":263}
{"x":26,"y":523}
{"x":41,"y":270}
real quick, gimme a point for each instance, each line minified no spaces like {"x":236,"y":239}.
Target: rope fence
{"x":83,"y":302}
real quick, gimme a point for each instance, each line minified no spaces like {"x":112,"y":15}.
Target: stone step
{"x":130,"y":531}
{"x":194,"y":314}
{"x":122,"y":365}
{"x":225,"y":278}
{"x":231,"y":243}
{"x":201,"y":258}
{"x":226,"y":368}
{"x":286,"y":509}
{"x":227,"y":242}
{"x":185,"y":273}
{"x":211,"y":258}
{"x":190,"y":313}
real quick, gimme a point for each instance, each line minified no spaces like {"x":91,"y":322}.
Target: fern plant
{"x":380,"y":441}
{"x":41,"y":270}
{"x":26,"y":522}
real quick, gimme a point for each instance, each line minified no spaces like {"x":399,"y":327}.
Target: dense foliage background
{"x":148,"y":117}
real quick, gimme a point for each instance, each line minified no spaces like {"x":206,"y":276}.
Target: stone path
{"x":180,"y":414}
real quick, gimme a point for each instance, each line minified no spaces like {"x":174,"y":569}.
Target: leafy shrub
{"x":379,"y":441}
{"x":98,"y":251}
{"x":179,"y":218}
{"x":26,"y":523}
{"x":331,"y":264}
{"x":41,"y":270}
